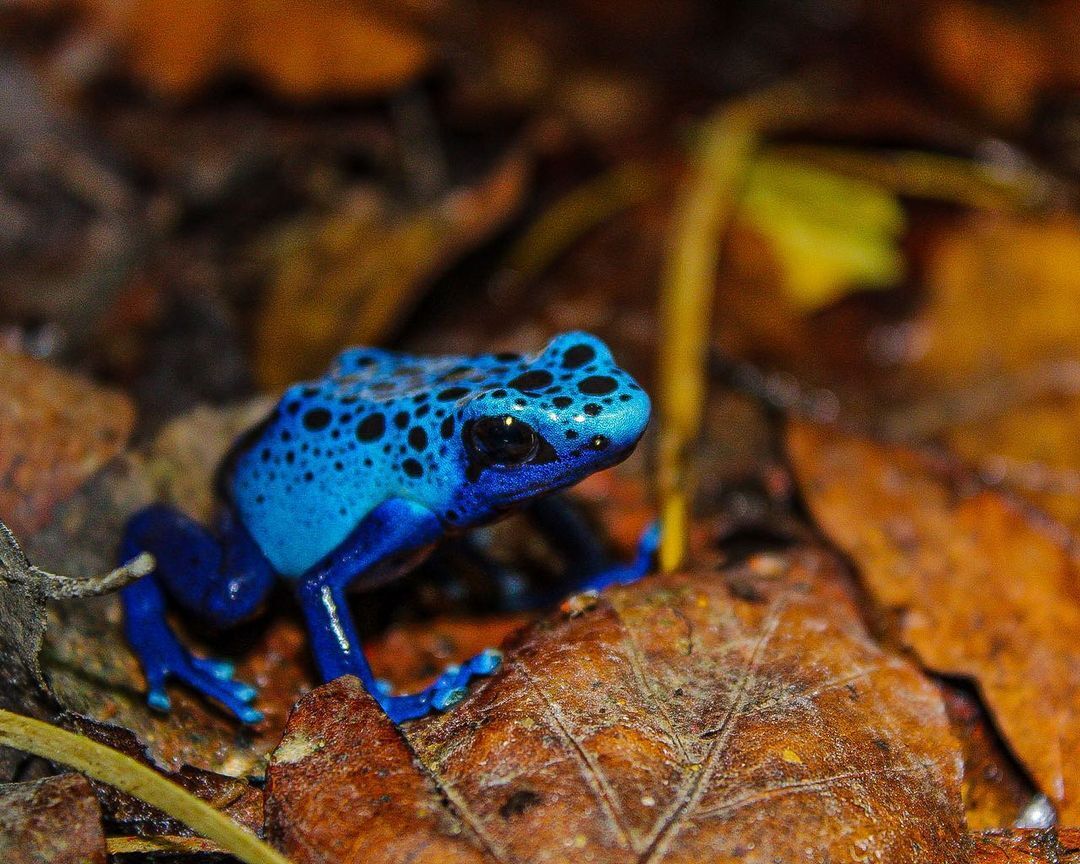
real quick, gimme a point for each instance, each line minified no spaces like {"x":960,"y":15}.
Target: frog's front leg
{"x":396,"y":528}
{"x":222,"y":578}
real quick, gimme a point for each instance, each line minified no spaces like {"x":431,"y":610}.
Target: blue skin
{"x":354,"y":477}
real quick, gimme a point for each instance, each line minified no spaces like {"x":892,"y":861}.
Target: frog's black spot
{"x":599,"y":442}
{"x":592,"y":409}
{"x":339,"y":466}
{"x":317,"y":451}
{"x":316,"y":419}
{"x":413,"y":468}
{"x":365,"y":361}
{"x":519,"y":403}
{"x":290,"y":457}
{"x":401,"y":419}
{"x":422,"y":411}
{"x":440,"y":412}
{"x":556,"y":389}
{"x":341,"y":511}
{"x":452,"y":393}
{"x":562,"y":401}
{"x":304,"y":447}
{"x":349,"y":400}
{"x":368,"y":463}
{"x":518,"y":803}
{"x":286,"y":435}
{"x":507,"y":357}
{"x":597,"y":385}
{"x":420,"y":397}
{"x":292,"y":407}
{"x":335,"y":433}
{"x":308,"y":476}
{"x":382,"y":386}
{"x":535,"y":379}
{"x":442,"y":450}
{"x":387,"y":448}
{"x":266,"y":454}
{"x":577,"y":356}
{"x":310,"y":391}
{"x":417,"y":438}
{"x":272,"y":475}
{"x":625,"y":397}
{"x":570,"y":434}
{"x":260,"y":499}
{"x":498,"y":394}
{"x":451,"y":516}
{"x":446,"y":429}
{"x":402,"y":449}
{"x":371,"y":428}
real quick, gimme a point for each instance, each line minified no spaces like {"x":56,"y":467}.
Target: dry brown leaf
{"x":299,"y":50}
{"x":1004,"y":296}
{"x":981,"y":587}
{"x":55,"y":820}
{"x":993,"y":59}
{"x":679,"y":719}
{"x":56,"y":429}
{"x":351,"y":277}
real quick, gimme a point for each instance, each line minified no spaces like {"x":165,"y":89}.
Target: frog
{"x":353,"y":478}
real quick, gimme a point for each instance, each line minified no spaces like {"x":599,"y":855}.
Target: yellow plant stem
{"x":726,"y":145}
{"x":933,"y":176}
{"x":126,"y":774}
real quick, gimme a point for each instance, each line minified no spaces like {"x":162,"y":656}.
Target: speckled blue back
{"x":382,"y":424}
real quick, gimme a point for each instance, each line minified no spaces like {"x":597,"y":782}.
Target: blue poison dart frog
{"x":354,"y":477}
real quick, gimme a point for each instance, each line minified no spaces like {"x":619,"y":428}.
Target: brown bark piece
{"x":674,"y":720}
{"x":55,"y":820}
{"x":983,"y":587}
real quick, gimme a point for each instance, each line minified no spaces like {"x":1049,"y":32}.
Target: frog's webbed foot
{"x":213,"y":678}
{"x":443,"y":693}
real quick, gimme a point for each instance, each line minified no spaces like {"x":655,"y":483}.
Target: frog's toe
{"x":158,"y":699}
{"x":448,"y":697}
{"x":223,"y":670}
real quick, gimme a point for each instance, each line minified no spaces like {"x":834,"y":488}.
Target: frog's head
{"x":560,"y":415}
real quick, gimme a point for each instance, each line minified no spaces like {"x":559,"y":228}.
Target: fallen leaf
{"x":55,"y":820}
{"x":996,"y":59}
{"x":996,"y":792}
{"x":830,"y":233}
{"x":1004,"y":296}
{"x":298,"y":50}
{"x":56,"y":429}
{"x":653,"y":723}
{"x":979,"y":585}
{"x":349,"y":278}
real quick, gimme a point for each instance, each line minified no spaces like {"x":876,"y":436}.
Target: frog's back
{"x":375,"y":426}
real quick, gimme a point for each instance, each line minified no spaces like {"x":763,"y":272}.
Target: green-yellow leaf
{"x":831,"y":233}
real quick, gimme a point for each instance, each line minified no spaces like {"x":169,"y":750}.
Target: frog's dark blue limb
{"x":222,"y":578}
{"x":624,"y":574}
{"x":589,"y":566}
{"x":396,"y":529}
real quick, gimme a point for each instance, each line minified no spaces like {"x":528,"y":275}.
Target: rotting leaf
{"x":56,"y":429}
{"x":55,"y":820}
{"x":351,"y":277}
{"x":665,"y":721}
{"x":299,"y":50}
{"x":981,"y":586}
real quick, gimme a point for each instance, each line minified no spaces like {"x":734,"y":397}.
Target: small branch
{"x":107,"y":765}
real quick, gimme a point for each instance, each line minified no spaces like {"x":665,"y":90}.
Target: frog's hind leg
{"x":394,"y":528}
{"x":589,"y":565}
{"x":223,"y":579}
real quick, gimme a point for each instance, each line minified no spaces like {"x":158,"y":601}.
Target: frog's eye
{"x":503,"y":440}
